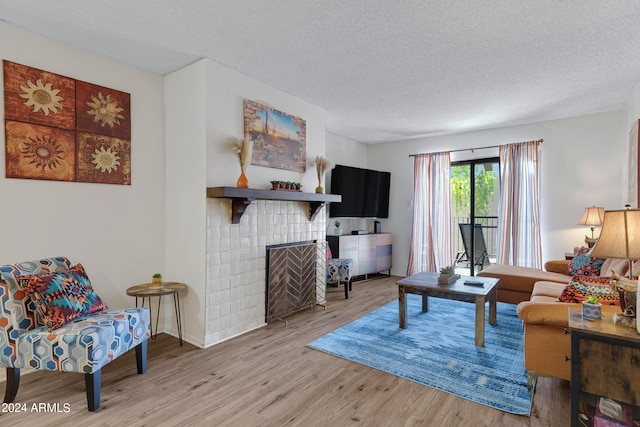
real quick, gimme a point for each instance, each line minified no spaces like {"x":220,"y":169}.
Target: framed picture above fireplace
{"x":279,"y":139}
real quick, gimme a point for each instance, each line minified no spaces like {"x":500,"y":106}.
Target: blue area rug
{"x":437,"y":349}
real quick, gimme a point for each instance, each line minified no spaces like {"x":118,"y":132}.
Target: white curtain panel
{"x":519,"y":208}
{"x":431,"y":226}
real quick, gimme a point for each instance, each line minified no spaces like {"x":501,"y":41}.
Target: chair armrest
{"x":548,"y":313}
{"x":556,"y":266}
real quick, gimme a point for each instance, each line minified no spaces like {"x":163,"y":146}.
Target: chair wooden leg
{"x":92,"y":384}
{"x":13,"y":382}
{"x":346,"y":289}
{"x":141,"y":357}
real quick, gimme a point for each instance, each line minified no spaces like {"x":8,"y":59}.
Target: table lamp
{"x":620,"y":239}
{"x":593,"y":218}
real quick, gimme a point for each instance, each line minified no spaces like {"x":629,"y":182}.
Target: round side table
{"x":146,"y":290}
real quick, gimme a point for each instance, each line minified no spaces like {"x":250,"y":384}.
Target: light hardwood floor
{"x":269,"y":377}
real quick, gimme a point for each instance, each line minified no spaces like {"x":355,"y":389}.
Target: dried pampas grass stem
{"x":243,"y":148}
{"x":322,"y":165}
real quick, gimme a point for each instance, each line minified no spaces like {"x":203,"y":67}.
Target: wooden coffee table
{"x":426,"y":284}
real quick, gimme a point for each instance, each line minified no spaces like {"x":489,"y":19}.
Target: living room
{"x":160,"y":223}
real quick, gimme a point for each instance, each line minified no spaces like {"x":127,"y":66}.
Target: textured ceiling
{"x":382,"y":70}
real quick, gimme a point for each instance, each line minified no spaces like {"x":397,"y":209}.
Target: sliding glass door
{"x":475,"y":192}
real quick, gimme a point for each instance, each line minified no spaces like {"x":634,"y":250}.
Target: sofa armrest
{"x":549,"y":313}
{"x":556,"y":266}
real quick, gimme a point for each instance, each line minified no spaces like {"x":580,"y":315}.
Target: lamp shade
{"x":620,"y":235}
{"x":592,"y":216}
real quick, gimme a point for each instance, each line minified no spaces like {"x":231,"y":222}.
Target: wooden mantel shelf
{"x":241,"y":198}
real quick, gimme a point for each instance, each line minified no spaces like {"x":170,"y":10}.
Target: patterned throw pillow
{"x":583,"y":265}
{"x":582,"y":286}
{"x":63,"y":296}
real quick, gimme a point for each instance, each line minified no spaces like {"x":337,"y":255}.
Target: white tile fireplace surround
{"x":236,"y":260}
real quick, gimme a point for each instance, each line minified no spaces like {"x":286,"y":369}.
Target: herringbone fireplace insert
{"x":291,"y":279}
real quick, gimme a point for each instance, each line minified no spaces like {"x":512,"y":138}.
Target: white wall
{"x":185,"y":244}
{"x":632,"y":114}
{"x":115,"y":231}
{"x":345,"y":151}
{"x":226,"y":90}
{"x":233,"y":292}
{"x":632,"y":108}
{"x":204,"y":107}
{"x":582,"y":163}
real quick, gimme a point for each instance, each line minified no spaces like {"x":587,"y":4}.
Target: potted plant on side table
{"x":591,"y":308}
{"x":338,"y":228}
{"x":156,"y":281}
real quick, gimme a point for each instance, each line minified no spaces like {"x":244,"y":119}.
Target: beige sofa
{"x":547,"y":345}
{"x":516,"y":283}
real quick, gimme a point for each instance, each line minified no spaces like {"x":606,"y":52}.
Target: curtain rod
{"x":472,"y":149}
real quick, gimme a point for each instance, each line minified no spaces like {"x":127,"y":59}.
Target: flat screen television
{"x":365,"y":192}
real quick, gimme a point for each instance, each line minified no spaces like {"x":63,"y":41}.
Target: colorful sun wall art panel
{"x":279,"y":139}
{"x":62,"y":129}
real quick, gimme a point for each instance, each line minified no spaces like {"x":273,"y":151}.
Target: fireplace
{"x":290,"y":279}
{"x":236,"y":261}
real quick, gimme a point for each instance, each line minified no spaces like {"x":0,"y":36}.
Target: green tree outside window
{"x":461,"y":189}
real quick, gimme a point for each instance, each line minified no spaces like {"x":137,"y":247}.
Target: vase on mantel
{"x":242,"y":182}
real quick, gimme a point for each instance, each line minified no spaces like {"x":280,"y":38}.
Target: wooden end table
{"x":604,"y":363}
{"x":146,"y":290}
{"x":426,"y":284}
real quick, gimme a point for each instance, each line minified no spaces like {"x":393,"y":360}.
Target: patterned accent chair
{"x":83,"y":345}
{"x":340,"y":270}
